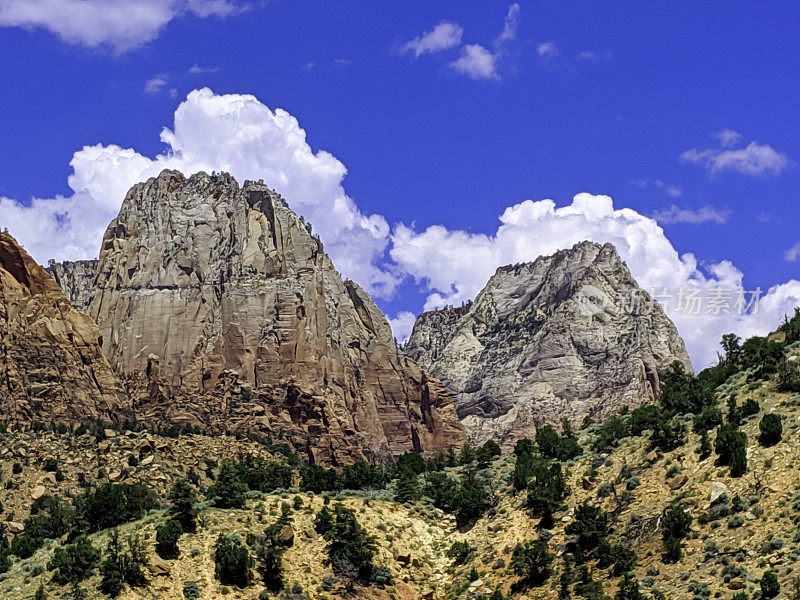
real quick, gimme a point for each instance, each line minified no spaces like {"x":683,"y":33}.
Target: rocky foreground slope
{"x":737,"y":530}
{"x":218,"y":308}
{"x":51,"y":364}
{"x":549,"y":340}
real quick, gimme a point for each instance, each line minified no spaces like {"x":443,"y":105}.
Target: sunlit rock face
{"x":220,"y":309}
{"x":564,"y":337}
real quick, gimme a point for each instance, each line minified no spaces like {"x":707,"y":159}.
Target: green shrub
{"x":591,"y":525}
{"x":350,"y":549}
{"x":708,"y":419}
{"x":123,"y":564}
{"x":553,"y":445}
{"x":268,"y":550}
{"x":75,"y":562}
{"x":676,"y":524}
{"x":361,"y":475}
{"x":643,"y":418}
{"x":609,"y":433}
{"x":460,"y":552}
{"x":546,"y":491}
{"x":771,"y":429}
{"x":232,"y":561}
{"x":769,"y":585}
{"x":228,"y":490}
{"x":318,"y":479}
{"x":467,"y":499}
{"x":264,"y":475}
{"x":167,"y":536}
{"x":407,"y":486}
{"x":411,"y":461}
{"x":183,"y":499}
{"x":486,"y":453}
{"x":531,"y":562}
{"x":111,"y":505}
{"x":681,"y":392}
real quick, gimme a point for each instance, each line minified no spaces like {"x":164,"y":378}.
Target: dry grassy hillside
{"x":728,"y":546}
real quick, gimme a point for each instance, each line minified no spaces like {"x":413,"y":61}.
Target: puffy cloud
{"x":547,"y":49}
{"x":119,"y":25}
{"x":704,"y":214}
{"x":234,"y":133}
{"x":454,"y":265}
{"x":402,"y":325}
{"x":445,"y":35}
{"x":476,"y":62}
{"x":155,"y":84}
{"x":753,"y":159}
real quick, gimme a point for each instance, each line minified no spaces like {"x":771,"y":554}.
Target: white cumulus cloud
{"x":234,"y":133}
{"x":117,"y":25}
{"x":476,"y":62}
{"x":402,"y":325}
{"x":445,"y":35}
{"x":454,"y":265}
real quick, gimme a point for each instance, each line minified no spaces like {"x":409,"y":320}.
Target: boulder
{"x":718,"y":489}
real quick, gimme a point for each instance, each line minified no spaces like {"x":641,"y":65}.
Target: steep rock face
{"x":219,"y":308}
{"x":543,"y":341}
{"x":51,"y":363}
{"x":76,"y":279}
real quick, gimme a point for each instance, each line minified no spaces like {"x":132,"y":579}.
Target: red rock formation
{"x":222,"y":310}
{"x":51,"y":363}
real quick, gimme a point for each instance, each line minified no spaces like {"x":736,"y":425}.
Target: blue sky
{"x":501,"y":103}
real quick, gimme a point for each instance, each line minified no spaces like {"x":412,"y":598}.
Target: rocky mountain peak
{"x":568,"y":335}
{"x":221,"y":308}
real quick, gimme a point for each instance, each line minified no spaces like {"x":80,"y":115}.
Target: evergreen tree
{"x":407,"y":486}
{"x":676,"y":523}
{"x":228,"y":490}
{"x":184,"y":498}
{"x":350,"y":549}
{"x":232,"y":561}
{"x":531,"y":562}
{"x":770,"y":587}
{"x":771,"y":429}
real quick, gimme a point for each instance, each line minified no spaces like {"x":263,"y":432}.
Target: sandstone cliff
{"x":548,"y":340}
{"x":51,"y":364}
{"x":219,"y":308}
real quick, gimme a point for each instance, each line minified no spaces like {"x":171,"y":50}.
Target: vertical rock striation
{"x":219,"y":308}
{"x":548,"y":340}
{"x":76,"y":279}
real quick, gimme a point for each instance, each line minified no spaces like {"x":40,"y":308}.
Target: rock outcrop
{"x":567,"y":336}
{"x":51,"y":363}
{"x":219,"y":309}
{"x":76,"y":278}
